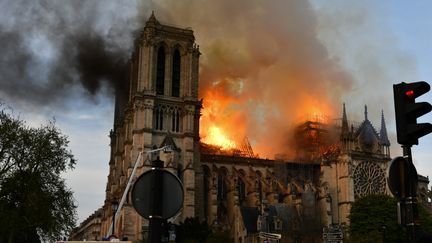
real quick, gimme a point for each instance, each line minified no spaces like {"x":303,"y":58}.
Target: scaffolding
{"x":312,"y":137}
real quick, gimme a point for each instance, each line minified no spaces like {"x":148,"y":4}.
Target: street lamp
{"x":165,"y":149}
{"x":114,"y":205}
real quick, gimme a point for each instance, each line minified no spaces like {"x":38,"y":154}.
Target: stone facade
{"x":160,"y":104}
{"x":89,"y":229}
{"x":240,"y":190}
{"x":358,"y":168}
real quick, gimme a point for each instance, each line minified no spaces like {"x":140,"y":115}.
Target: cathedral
{"x":249,"y":198}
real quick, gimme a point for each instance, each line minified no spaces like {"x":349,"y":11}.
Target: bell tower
{"x":159,"y":107}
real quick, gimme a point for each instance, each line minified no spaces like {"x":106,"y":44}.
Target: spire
{"x":383,"y":132}
{"x":365,"y":112}
{"x":152,"y":19}
{"x":344,"y":121}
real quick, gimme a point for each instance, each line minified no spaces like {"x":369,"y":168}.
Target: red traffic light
{"x":414,"y":90}
{"x":407,"y":110}
{"x":410,"y":93}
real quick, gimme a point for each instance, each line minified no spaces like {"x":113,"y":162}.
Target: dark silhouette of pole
{"x":155,"y":219}
{"x":411,"y":210}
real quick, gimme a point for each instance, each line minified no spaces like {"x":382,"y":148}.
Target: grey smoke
{"x":49,"y":48}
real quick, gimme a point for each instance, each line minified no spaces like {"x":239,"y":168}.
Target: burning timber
{"x":312,"y":139}
{"x":244,"y":150}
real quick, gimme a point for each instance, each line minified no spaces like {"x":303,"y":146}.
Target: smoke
{"x":50,"y":49}
{"x":266,"y":59}
{"x":264,"y":65}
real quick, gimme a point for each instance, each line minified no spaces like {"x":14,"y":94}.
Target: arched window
{"x":241,"y":190}
{"x":176,"y":74}
{"x":222,"y":193}
{"x":259,"y":186}
{"x":221,"y":186}
{"x":160,"y":71}
{"x":175,"y":121}
{"x":159,"y":115}
{"x":207,"y":189}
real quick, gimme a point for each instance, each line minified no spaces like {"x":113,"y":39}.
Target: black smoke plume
{"x":51,"y":49}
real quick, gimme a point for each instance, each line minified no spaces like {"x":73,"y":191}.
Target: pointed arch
{"x":207,"y":190}
{"x":176,"y":69}
{"x":222,"y":187}
{"x":241,"y":186}
{"x":160,"y":70}
{"x":259,"y":186}
{"x":159,"y":113}
{"x":222,"y":195}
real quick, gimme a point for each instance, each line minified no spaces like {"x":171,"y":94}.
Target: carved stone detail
{"x":369,"y":178}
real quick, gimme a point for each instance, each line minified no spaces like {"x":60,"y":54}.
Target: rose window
{"x":369,"y":178}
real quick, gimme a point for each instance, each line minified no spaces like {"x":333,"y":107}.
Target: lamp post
{"x":131,"y":177}
{"x":114,"y":205}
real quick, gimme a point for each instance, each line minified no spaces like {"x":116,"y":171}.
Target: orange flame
{"x":226,"y":120}
{"x":221,"y":123}
{"x":217,"y":137}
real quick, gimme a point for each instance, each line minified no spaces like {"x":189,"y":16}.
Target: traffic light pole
{"x":408,"y":203}
{"x":408,"y":130}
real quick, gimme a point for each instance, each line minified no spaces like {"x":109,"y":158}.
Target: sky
{"x":56,"y":53}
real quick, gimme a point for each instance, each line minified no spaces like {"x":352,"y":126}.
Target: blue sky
{"x":379,"y":42}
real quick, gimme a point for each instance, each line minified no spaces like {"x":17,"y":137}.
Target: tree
{"x":216,"y":237}
{"x":373,"y":218}
{"x":34,"y":200}
{"x":192,"y":230}
{"x":425,"y":222}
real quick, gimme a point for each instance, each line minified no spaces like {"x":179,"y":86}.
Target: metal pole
{"x":155,"y":219}
{"x":410,"y":199}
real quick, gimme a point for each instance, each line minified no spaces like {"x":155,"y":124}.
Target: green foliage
{"x":368,"y":217}
{"x":425,"y":219}
{"x":34,"y":199}
{"x":217,"y":237}
{"x":192,"y":230}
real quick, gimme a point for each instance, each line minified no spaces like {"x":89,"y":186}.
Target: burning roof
{"x":242,"y":150}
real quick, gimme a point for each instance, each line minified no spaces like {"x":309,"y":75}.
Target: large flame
{"x":221,"y":124}
{"x":217,"y":137}
{"x":226,"y":120}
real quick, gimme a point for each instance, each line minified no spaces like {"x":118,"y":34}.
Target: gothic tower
{"x":359,"y":167}
{"x":159,"y":107}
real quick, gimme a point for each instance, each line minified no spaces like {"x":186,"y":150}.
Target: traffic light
{"x":407,"y":111}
